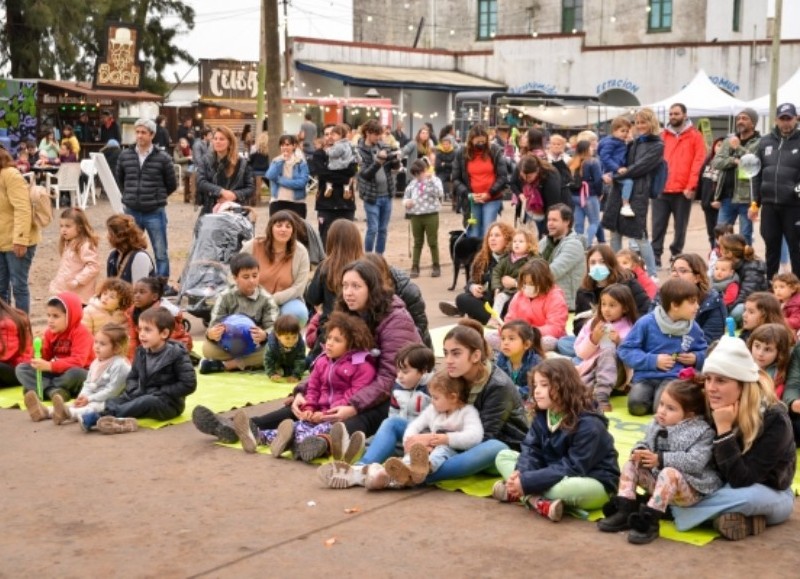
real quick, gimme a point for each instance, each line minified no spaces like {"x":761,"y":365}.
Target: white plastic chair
{"x":67,"y":181}
{"x":88,"y":167}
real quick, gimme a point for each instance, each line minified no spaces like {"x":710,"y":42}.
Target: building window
{"x":487,"y":19}
{"x":660,"y":17}
{"x":737,"y":15}
{"x":571,"y":16}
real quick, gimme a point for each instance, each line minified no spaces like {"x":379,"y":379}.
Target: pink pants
{"x":667,"y":488}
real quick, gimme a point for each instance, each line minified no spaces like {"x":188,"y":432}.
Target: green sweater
{"x":262,"y":309}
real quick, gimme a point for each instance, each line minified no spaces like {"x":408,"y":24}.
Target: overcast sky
{"x":231,"y":29}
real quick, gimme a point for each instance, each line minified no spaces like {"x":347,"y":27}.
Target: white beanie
{"x":732,"y":359}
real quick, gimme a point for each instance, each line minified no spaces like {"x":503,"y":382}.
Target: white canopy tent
{"x":575,"y":116}
{"x":788,"y":92}
{"x":702,"y":98}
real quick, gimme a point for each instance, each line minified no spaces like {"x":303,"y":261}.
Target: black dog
{"x":462,"y":251}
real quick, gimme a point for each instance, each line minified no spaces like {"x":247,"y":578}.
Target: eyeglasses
{"x":681,"y":270}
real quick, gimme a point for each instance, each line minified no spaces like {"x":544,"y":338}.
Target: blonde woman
{"x":223,"y":175}
{"x":753,"y":450}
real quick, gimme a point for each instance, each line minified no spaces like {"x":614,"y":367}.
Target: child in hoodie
{"x":67,"y":351}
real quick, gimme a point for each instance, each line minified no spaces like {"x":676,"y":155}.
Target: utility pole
{"x":286,"y":55}
{"x":273,"y":59}
{"x":262,"y":69}
{"x":775,"y":62}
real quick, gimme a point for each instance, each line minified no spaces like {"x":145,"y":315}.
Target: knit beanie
{"x":731,"y":359}
{"x":750,"y":113}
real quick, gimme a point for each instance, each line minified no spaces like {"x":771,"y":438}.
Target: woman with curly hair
{"x":496,"y":244}
{"x":128,"y":260}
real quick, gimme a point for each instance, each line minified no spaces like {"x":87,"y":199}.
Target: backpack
{"x":659,"y":180}
{"x":42,"y":211}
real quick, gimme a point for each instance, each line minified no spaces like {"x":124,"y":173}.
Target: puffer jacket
{"x":779,"y":177}
{"x":684,"y":153}
{"x":586,"y":451}
{"x":500,"y":408}
{"x":461,"y":184}
{"x":367,"y":185}
{"x":686,"y":447}
{"x":443,"y":164}
{"x":411,"y":295}
{"x":333,"y":383}
{"x":146,"y":188}
{"x":752,"y":278}
{"x":211,"y":180}
{"x":409,"y":404}
{"x":726,"y":159}
{"x":10,"y":346}
{"x":77,"y":271}
{"x":171,"y":380}
{"x":547,"y":312}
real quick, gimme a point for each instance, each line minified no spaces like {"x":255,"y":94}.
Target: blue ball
{"x":236,"y":339}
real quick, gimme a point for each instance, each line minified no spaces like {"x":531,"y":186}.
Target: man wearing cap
{"x":684,"y":152}
{"x":744,"y":142}
{"x":146,"y":177}
{"x":777,"y":189}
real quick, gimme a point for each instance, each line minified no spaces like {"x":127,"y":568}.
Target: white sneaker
{"x":626,"y":211}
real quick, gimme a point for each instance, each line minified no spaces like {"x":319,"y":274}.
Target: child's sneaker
{"x":312,"y":447}
{"x":340,"y":475}
{"x":209,"y":423}
{"x":376,"y":478}
{"x":603,"y":402}
{"x":398,"y":471}
{"x":61,"y":413}
{"x":420,"y":464}
{"x":35,"y":408}
{"x":211,"y":366}
{"x":550,"y":509}
{"x":503,"y":494}
{"x":626,"y":211}
{"x":355,"y":447}
{"x":244,"y":430}
{"x":283,"y":438}
{"x":339,"y":440}
{"x":113,"y":425}
{"x":88,"y":420}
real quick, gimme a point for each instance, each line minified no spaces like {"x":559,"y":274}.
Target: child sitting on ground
{"x":720,"y":231}
{"x":662,"y":343}
{"x":631,"y":260}
{"x":771,"y":346}
{"x":597,"y":342}
{"x":786,"y":287}
{"x":673,"y":463}
{"x":524,"y":247}
{"x":160,"y":379}
{"x":106,"y":379}
{"x":520,"y":351}
{"x":568,"y":455}
{"x":446,"y":427}
{"x":340,"y":156}
{"x":223,"y":351}
{"x":148,"y":293}
{"x":66,"y":352}
{"x":16,"y":342}
{"x":760,"y":308}
{"x":285,"y":354}
{"x":79,"y":266}
{"x":344,"y":368}
{"x":109,"y":305}
{"x":726,"y":281}
{"x":613,"y":153}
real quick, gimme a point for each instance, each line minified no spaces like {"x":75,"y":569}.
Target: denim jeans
{"x":591,"y":212}
{"x":155,"y":224}
{"x":378,"y":216}
{"x":476,"y":459}
{"x":384,"y":443}
{"x":756,"y":499}
{"x":645,"y":394}
{"x":727,"y":214}
{"x":14,"y":278}
{"x":486,"y":214}
{"x":645,"y":250}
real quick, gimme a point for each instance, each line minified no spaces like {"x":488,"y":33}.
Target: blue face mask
{"x":599,"y":272}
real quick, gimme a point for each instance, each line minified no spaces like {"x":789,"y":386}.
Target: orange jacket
{"x":685,"y":153}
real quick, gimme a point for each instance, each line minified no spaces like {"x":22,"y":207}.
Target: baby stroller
{"x":217,"y":237}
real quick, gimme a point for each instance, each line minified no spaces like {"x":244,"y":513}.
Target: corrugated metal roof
{"x":86,"y":89}
{"x":398,"y":77}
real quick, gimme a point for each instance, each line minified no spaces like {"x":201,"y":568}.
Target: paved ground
{"x":169,"y":503}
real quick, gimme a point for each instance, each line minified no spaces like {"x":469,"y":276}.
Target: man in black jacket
{"x":777,"y":189}
{"x":146,"y":177}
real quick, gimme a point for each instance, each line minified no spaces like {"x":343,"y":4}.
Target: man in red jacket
{"x":684,"y":152}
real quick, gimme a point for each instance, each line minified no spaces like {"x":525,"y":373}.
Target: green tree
{"x":63,"y":39}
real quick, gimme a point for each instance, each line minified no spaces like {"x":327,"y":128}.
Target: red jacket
{"x":9,"y":344}
{"x":547,"y":312}
{"x":684,"y":153}
{"x":791,"y":311}
{"x":647,"y":283}
{"x":179,"y":333}
{"x":74,"y":347}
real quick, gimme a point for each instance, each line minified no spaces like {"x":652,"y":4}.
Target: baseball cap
{"x":786,"y":110}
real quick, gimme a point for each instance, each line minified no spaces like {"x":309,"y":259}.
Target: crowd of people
{"x":516,"y":395}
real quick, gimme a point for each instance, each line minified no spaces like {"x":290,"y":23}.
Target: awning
{"x":245,"y":106}
{"x":85,"y":89}
{"x":397,"y":77}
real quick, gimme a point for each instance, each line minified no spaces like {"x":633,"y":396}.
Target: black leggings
{"x":366,"y":421}
{"x":7,"y":375}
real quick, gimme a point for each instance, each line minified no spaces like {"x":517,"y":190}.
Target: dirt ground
{"x":169,"y":503}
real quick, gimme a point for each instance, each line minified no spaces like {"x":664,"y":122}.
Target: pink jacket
{"x":547,"y":312}
{"x":333,"y":382}
{"x":647,"y":283}
{"x":588,"y":351}
{"x":791,"y":311}
{"x":77,"y":272}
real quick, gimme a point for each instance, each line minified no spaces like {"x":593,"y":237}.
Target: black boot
{"x":616,"y":512}
{"x":644,"y":526}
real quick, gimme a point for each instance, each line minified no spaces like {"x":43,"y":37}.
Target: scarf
{"x":97,"y":368}
{"x":723,"y":284}
{"x":554,"y":420}
{"x":670,"y":327}
{"x":288,"y":169}
{"x":533,"y":195}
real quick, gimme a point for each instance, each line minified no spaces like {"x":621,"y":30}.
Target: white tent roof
{"x":702,"y":98}
{"x":789,"y":92}
{"x":574,"y":116}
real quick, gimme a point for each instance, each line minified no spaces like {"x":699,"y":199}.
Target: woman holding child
{"x":753,"y":450}
{"x":283,"y":264}
{"x":362,"y":294}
